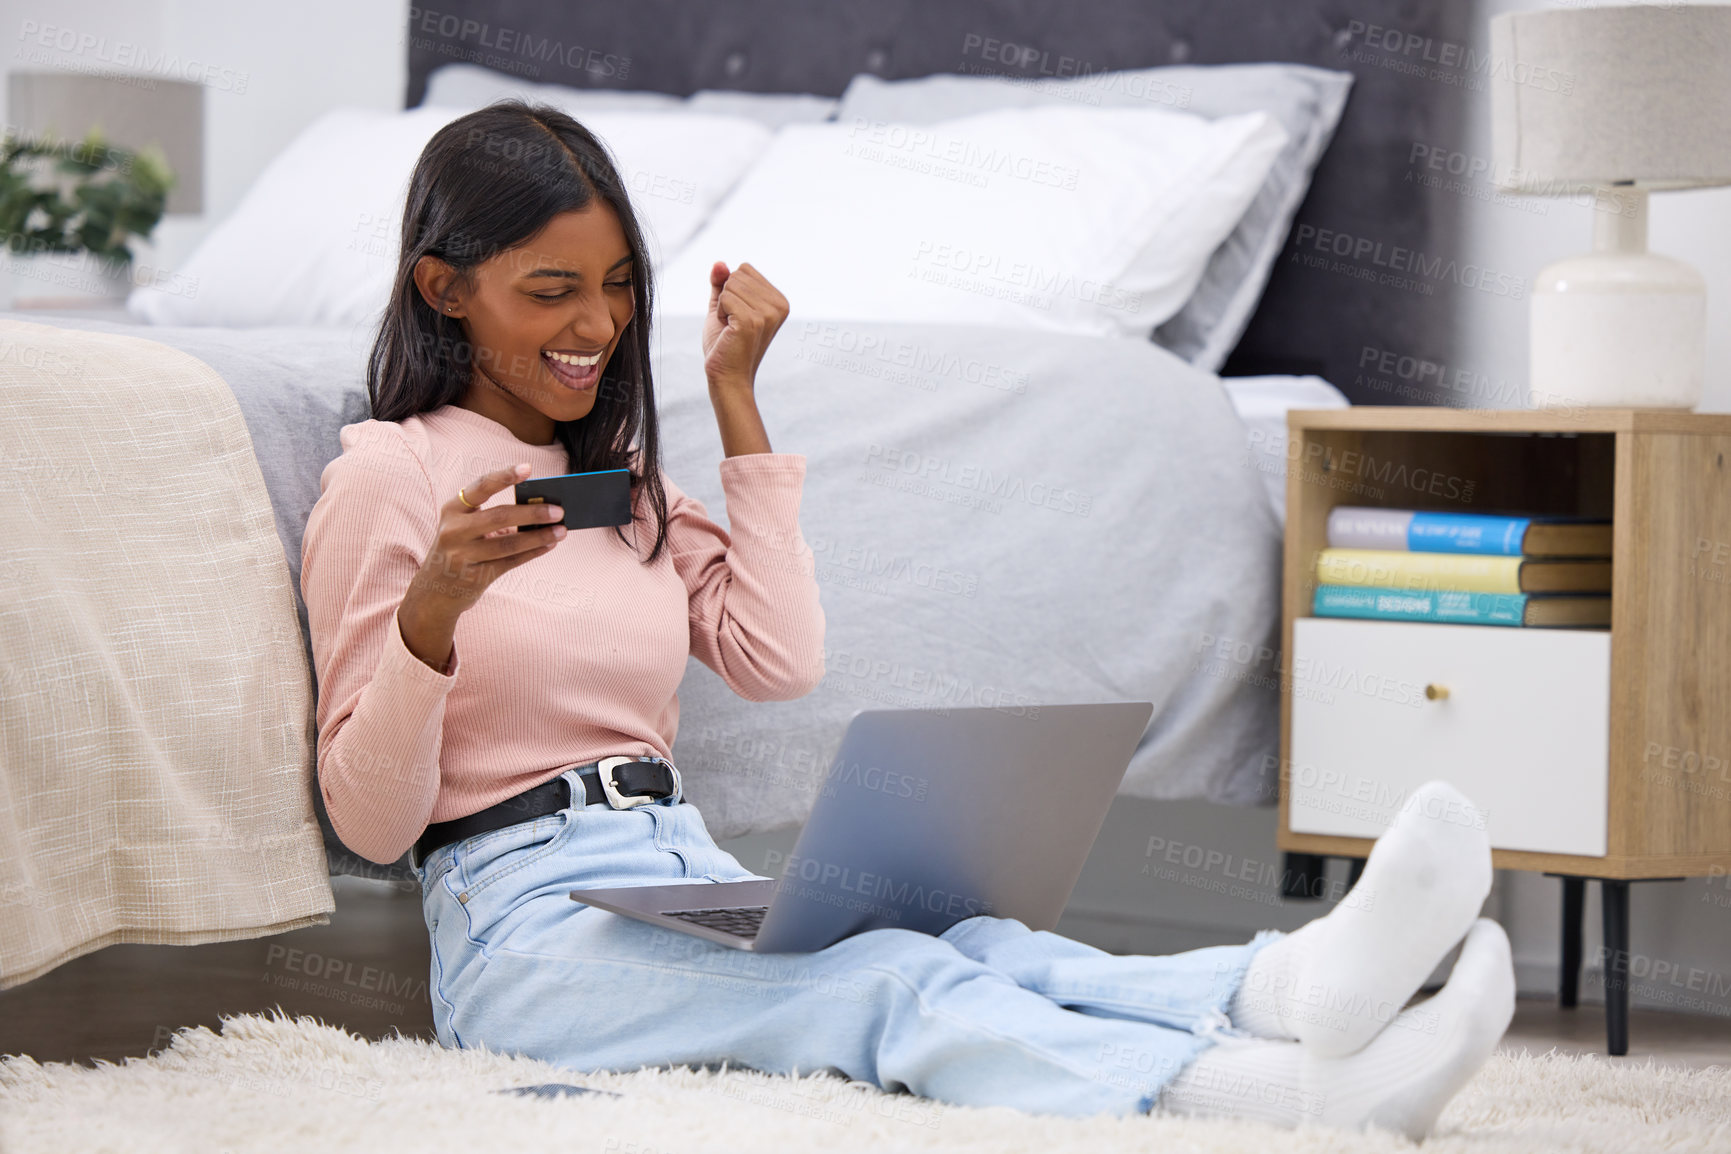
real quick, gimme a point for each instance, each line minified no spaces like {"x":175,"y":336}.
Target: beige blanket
{"x":156,"y":709}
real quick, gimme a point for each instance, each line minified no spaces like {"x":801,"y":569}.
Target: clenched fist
{"x":745,"y":311}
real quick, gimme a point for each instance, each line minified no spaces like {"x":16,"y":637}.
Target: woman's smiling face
{"x":543,"y":318}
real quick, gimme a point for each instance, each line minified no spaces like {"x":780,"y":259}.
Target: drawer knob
{"x":1435,"y":692}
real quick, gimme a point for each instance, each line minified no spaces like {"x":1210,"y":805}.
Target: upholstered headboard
{"x":1366,"y":267}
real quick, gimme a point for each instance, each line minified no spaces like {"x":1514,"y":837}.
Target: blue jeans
{"x":989,"y":1013}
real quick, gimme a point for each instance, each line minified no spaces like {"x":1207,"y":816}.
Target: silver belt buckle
{"x":610,"y":786}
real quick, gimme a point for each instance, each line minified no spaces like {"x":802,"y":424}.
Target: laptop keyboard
{"x":740,"y":921}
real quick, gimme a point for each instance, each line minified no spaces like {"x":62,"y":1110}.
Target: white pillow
{"x":314,"y":241}
{"x":1083,"y":220}
{"x":1262,"y":404}
{"x":1306,"y":101}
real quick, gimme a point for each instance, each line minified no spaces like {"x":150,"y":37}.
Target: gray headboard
{"x":1316,"y":316}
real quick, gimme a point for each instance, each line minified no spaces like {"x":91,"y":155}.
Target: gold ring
{"x":464,"y":499}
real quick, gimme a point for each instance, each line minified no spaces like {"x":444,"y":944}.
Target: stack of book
{"x":1465,"y":568}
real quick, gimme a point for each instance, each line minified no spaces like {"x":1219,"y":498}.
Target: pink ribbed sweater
{"x":567,"y":658}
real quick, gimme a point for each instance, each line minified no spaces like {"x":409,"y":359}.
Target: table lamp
{"x":1614,"y":102}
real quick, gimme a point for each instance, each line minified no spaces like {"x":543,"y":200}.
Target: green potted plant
{"x":70,"y":210}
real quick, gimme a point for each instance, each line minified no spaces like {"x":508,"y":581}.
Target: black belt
{"x":622,"y":781}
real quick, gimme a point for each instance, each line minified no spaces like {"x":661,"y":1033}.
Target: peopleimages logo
{"x":124,"y":55}
{"x":885,"y":890}
{"x":1363,"y":255}
{"x":888,"y":141}
{"x":875,"y":779}
{"x":455,"y":32}
{"x":1447,"y":62}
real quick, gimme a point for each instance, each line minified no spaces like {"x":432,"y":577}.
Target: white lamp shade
{"x":1597,"y":96}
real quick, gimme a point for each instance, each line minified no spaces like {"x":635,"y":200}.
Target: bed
{"x":1004,"y":514}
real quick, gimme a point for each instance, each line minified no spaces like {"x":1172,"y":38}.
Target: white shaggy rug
{"x":281,"y":1084}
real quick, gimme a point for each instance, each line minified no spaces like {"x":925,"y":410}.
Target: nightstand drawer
{"x":1523,"y":729}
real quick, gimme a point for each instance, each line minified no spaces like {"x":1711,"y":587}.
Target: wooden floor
{"x":367,"y":971}
{"x":1691,"y":1040}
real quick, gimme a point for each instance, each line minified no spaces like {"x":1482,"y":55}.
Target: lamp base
{"x":1618,"y":329}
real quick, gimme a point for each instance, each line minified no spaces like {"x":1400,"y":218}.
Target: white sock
{"x":1335,"y":982}
{"x":1267,"y":985}
{"x":1401,"y":1081}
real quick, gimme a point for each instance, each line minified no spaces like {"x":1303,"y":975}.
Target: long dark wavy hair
{"x":485,"y":183}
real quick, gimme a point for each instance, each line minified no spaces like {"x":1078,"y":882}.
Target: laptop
{"x":926,"y":817}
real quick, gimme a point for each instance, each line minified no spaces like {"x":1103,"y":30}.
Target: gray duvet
{"x":999,"y":518}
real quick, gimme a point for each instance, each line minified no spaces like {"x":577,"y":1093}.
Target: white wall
{"x":273,"y":68}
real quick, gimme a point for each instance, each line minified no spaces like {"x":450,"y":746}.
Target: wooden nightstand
{"x":1594,"y":754}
